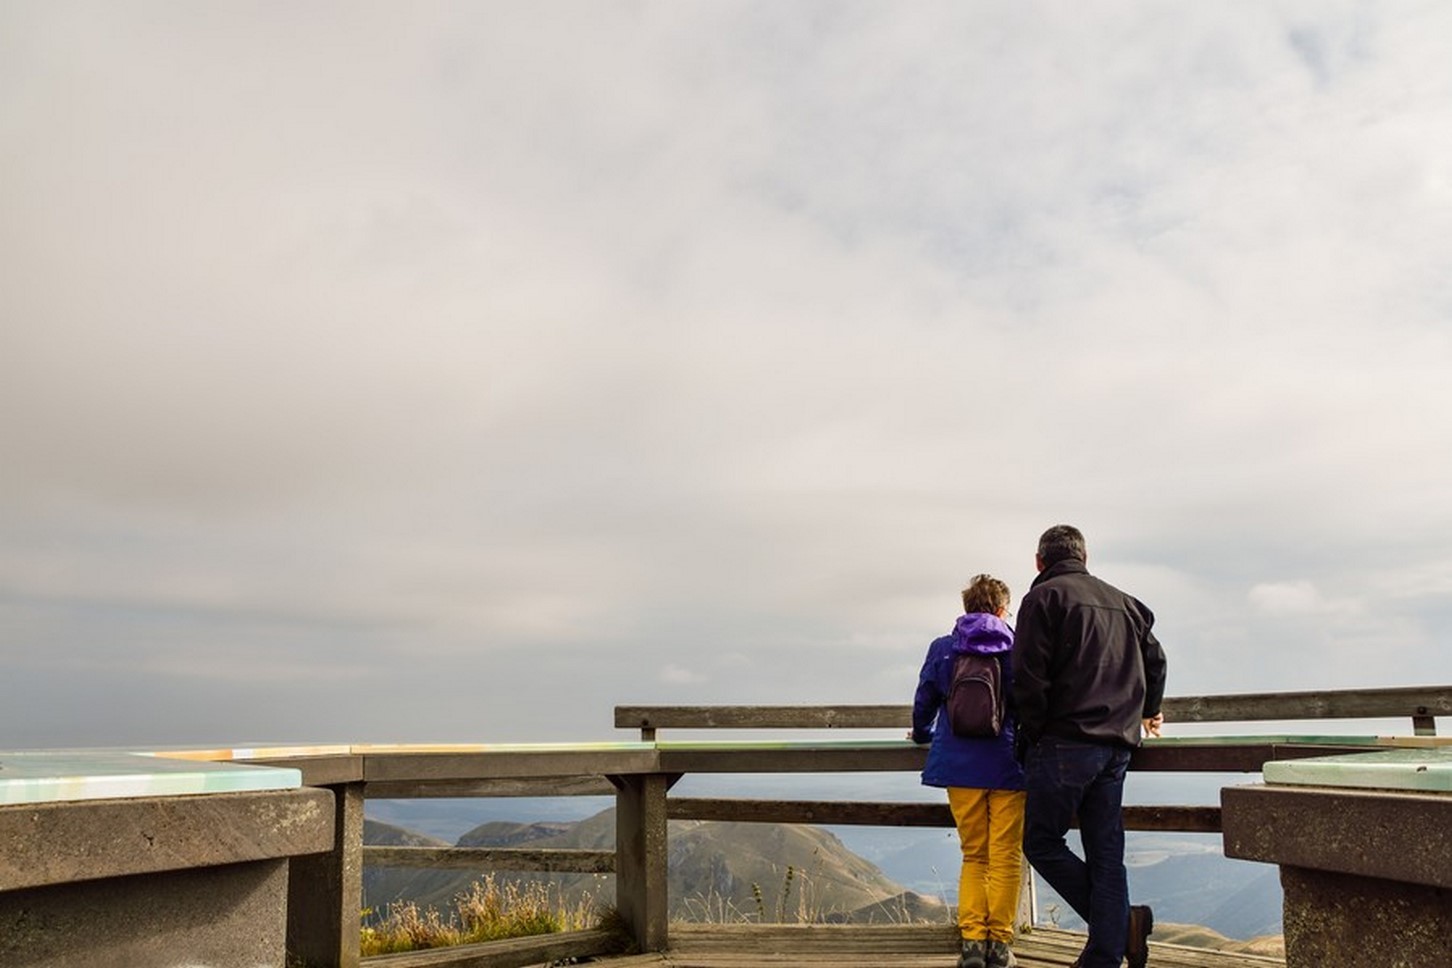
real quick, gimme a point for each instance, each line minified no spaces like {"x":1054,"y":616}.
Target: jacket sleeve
{"x":1032,"y":648}
{"x":1010,"y":705}
{"x":1155,"y":668}
{"x":926,"y":701}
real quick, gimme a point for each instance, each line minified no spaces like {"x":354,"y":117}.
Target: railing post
{"x":325,"y":891}
{"x":640,"y":857}
{"x":1028,"y":902}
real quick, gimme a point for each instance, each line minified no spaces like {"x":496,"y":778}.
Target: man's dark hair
{"x":1061,"y":542}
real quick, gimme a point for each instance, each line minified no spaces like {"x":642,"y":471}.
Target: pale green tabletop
{"x":1419,"y":770}
{"x":43,"y":777}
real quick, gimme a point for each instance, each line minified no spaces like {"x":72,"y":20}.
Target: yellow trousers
{"x":990,"y":827}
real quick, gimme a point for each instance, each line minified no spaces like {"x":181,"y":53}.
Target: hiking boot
{"x":1000,"y":955}
{"x":975,"y":954}
{"x":1141,"y":926}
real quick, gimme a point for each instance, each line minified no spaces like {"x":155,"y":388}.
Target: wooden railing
{"x":640,"y":775}
{"x":1422,"y":704}
{"x":1214,"y":755}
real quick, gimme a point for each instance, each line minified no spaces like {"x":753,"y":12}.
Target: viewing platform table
{"x":142,"y":859}
{"x":1364,"y":846}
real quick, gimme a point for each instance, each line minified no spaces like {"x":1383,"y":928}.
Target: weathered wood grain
{"x":806,"y":759}
{"x":641,"y":858}
{"x":892,"y":946}
{"x":324,"y":770}
{"x":1199,"y":819}
{"x":492,"y":858}
{"x":555,"y":786}
{"x":1413,"y":701}
{"x":763,"y":717}
{"x":1420,"y":702}
{"x":513,"y":953}
{"x":430,"y":767}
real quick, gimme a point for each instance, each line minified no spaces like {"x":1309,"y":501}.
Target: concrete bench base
{"x":1367,"y":874}
{"x":155,"y":882}
{"x":217,"y":917}
{"x":1335,"y":919}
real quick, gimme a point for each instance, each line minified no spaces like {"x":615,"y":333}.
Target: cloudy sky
{"x":457,"y":371}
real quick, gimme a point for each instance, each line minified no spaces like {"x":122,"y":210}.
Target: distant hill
{"x":382,"y":885}
{"x":380,"y":834}
{"x":1233,"y":898}
{"x":1197,"y":936}
{"x":718,"y":871}
{"x":1185,"y":878}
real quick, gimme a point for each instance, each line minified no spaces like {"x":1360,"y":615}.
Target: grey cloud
{"x":666,"y":338}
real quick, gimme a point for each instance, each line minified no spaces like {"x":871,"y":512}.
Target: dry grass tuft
{"x":487,"y":911}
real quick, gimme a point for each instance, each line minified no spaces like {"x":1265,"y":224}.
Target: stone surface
{"x":216,"y":917}
{"x":57,"y":843}
{"x":1341,"y":919}
{"x":1393,"y":836}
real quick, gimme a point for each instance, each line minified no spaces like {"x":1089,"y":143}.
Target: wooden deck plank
{"x":511,"y":953}
{"x":809,"y":945}
{"x":895,"y":946}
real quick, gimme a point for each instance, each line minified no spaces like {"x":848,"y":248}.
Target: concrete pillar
{"x":154,"y":881}
{"x":1367,"y":873}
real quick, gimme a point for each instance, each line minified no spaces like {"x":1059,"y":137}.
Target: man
{"x":1089,"y":677}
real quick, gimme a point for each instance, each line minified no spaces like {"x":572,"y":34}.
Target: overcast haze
{"x":405,"y":372}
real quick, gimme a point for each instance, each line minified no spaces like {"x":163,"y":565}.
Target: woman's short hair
{"x":985,"y":594}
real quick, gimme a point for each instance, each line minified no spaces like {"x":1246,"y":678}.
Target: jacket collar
{"x":1067,"y":566}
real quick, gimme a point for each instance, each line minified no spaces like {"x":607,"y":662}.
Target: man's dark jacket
{"x":1086,"y":665}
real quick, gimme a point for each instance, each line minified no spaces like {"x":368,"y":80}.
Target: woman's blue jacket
{"x":956,"y":761}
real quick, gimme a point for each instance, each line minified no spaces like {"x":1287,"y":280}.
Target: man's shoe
{"x":1141,"y":926}
{"x":1000,"y":955}
{"x":975,"y":954}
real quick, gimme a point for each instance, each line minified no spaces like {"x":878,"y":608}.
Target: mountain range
{"x":726,"y":872}
{"x":718,"y":871}
{"x":1185,"y":877}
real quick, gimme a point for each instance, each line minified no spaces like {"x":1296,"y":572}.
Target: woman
{"x":985,"y":783}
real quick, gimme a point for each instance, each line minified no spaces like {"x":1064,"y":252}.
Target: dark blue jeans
{"x":1066,"y":778}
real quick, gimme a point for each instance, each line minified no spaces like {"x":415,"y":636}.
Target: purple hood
{"x":982,"y":633}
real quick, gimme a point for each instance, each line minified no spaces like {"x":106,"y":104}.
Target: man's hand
{"x":1152,"y":725}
